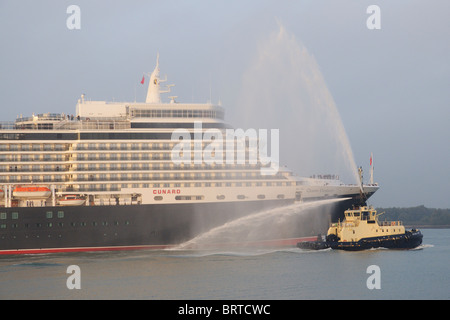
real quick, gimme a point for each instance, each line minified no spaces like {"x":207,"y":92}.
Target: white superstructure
{"x":122,"y":153}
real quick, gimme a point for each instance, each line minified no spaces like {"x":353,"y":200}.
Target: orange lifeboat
{"x":32,"y":192}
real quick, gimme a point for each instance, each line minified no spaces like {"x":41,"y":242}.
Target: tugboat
{"x":362,"y":230}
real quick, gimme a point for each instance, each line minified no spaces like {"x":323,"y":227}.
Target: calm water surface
{"x":236,"y":274}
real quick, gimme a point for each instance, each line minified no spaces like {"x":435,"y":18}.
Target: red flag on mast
{"x":143,"y":79}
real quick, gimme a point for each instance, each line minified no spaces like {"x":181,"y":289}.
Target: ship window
{"x":14,"y":215}
{"x":3,"y":215}
{"x":241,"y":196}
{"x":280,"y":196}
{"x":220,"y":197}
{"x":261,"y":196}
{"x":158,"y":198}
{"x":3,"y":226}
{"x":49,"y":214}
{"x":60,"y":214}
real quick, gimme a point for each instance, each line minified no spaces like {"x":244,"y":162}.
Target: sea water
{"x":256,"y":274}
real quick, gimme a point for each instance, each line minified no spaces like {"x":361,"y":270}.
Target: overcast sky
{"x":390,"y":86}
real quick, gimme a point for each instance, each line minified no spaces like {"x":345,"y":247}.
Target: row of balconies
{"x":98,"y":146}
{"x":123,"y":167}
{"x":117,"y":187}
{"x":98,"y":156}
{"x":130,"y":177}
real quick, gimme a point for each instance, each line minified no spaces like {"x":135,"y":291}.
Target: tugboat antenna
{"x":371,"y":169}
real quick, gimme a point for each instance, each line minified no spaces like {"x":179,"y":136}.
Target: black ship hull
{"x":155,"y":226}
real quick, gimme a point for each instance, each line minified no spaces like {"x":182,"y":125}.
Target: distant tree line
{"x":417,"y":216}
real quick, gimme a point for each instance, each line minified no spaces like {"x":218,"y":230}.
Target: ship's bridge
{"x":148,"y":111}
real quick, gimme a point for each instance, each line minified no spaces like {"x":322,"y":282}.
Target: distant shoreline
{"x":418,"y":217}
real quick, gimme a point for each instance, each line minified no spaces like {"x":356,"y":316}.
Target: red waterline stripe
{"x":82,"y":249}
{"x":277,"y":242}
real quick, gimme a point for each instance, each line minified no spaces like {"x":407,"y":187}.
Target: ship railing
{"x":42,"y":116}
{"x":87,"y":124}
{"x":7,"y":125}
{"x":68,"y":124}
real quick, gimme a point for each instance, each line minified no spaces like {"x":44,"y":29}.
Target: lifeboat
{"x":71,"y":200}
{"x":32,"y":192}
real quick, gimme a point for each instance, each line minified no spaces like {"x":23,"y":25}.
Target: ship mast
{"x":153,"y":92}
{"x":154,"y":85}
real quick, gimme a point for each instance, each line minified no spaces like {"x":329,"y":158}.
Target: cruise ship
{"x":113,"y":177}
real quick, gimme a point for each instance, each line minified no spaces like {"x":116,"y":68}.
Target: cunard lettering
{"x":167,"y":191}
